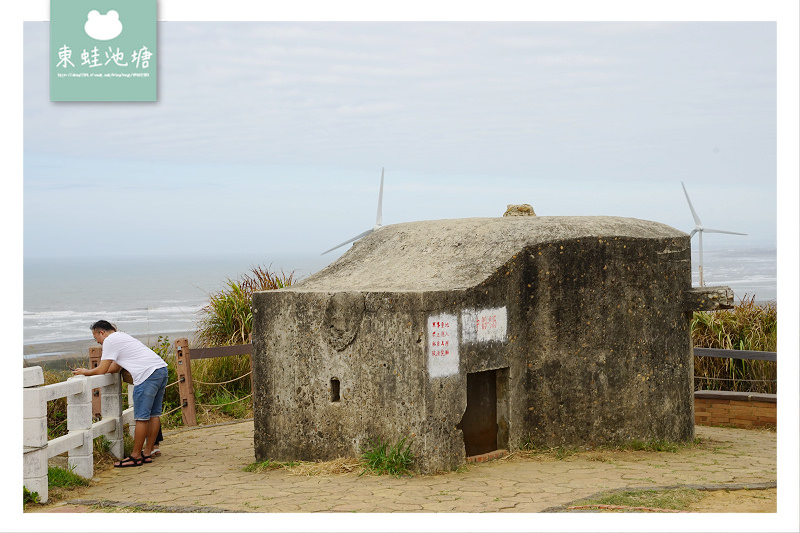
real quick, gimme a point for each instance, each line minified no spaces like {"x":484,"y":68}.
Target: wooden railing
{"x":183,"y":361}
{"x":79,"y":441}
{"x":737,"y":354}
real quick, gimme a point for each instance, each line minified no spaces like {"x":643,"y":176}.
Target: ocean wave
{"x":58,"y":325}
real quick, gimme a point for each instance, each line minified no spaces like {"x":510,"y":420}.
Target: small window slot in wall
{"x":335,"y":390}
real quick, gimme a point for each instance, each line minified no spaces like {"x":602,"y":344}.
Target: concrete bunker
{"x":471,"y":335}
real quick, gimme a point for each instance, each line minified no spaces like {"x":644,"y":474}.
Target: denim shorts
{"x":148,"y":395}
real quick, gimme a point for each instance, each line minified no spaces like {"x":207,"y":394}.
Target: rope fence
{"x":222,"y":382}
{"x":170,"y":411}
{"x":224,"y":404}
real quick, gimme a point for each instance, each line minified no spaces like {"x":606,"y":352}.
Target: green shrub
{"x":29,"y":497}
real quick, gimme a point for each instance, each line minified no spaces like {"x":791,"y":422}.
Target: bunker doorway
{"x":482,"y":432}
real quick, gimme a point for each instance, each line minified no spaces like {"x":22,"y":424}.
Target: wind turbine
{"x":378,"y":222}
{"x":699,"y":229}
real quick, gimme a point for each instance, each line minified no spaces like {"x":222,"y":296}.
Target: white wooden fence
{"x":81,"y":431}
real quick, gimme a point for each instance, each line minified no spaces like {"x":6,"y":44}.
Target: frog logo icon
{"x":103,"y":27}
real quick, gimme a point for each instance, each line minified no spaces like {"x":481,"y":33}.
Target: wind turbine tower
{"x":699,"y":229}
{"x":378,"y":222}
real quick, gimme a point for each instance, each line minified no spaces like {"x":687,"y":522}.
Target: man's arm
{"x":104,"y":367}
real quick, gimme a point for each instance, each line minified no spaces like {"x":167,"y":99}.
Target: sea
{"x":151,"y":297}
{"x":147,"y":297}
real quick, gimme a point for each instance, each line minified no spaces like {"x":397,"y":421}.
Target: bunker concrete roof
{"x":457,"y":254}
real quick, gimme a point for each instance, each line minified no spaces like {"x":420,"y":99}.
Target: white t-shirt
{"x":132,"y":355}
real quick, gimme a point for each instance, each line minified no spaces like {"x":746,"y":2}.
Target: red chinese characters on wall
{"x":486,"y":322}
{"x":442,"y":345}
{"x":440,"y":338}
{"x":484,"y":325}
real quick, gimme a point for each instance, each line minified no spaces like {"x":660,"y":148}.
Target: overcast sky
{"x":273,"y":135}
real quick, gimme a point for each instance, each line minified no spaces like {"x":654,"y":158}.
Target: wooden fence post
{"x":183,"y":362}
{"x":95,"y":354}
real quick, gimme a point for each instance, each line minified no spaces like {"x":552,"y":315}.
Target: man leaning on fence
{"x":149,"y":372}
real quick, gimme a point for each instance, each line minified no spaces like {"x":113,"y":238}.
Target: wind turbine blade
{"x":691,"y":207}
{"x":364,"y":234}
{"x":709,"y":230}
{"x":691,"y":234}
{"x":379,"y":218}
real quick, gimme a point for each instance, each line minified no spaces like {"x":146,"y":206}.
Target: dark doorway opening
{"x":479,"y":423}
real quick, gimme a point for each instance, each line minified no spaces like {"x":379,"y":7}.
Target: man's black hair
{"x":103,"y":325}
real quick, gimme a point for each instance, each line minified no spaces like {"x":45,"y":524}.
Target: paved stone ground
{"x":201,"y":470}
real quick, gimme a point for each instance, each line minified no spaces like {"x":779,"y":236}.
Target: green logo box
{"x":103,"y":51}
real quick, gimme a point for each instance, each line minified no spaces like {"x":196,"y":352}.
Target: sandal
{"x":132,"y":461}
{"x":146,"y":459}
{"x":156,"y":452}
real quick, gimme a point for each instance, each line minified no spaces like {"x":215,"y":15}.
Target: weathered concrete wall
{"x":608,"y":341}
{"x":585,"y":318}
{"x":384,"y":390}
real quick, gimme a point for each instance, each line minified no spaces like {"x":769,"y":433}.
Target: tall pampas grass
{"x":226,"y":320}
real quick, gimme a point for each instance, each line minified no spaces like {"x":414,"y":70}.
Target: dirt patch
{"x":737,"y":501}
{"x":697,"y":501}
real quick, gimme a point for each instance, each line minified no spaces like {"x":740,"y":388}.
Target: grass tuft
{"x":527,"y":449}
{"x":306,"y":468}
{"x":65,"y":479}
{"x":380,"y":457}
{"x":269,"y":464}
{"x":674,"y":499}
{"x":542,"y":452}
